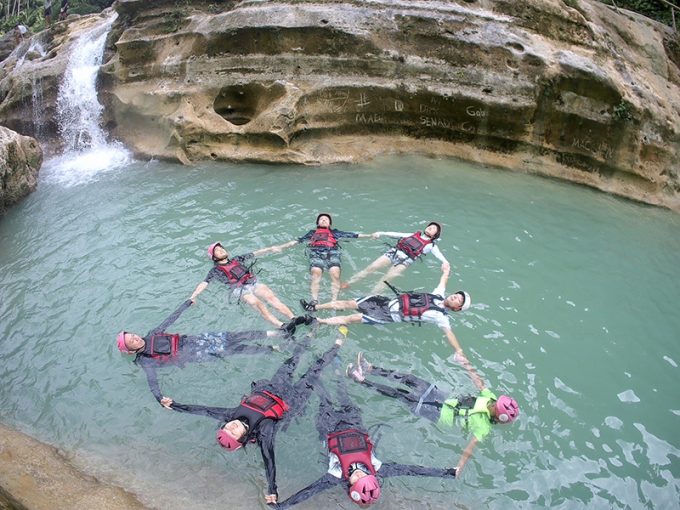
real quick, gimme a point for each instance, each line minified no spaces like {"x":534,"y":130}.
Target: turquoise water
{"x":575,"y":295}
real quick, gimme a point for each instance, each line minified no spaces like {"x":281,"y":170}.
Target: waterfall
{"x":86,"y":151}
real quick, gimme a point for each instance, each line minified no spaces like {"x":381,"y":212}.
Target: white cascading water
{"x":86,"y":151}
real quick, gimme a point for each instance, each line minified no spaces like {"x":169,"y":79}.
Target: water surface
{"x":574,"y":314}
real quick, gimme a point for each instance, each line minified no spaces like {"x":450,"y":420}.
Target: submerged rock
{"x":20,"y":160}
{"x":36,"y":476}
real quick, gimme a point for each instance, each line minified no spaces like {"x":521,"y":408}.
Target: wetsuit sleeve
{"x":320,"y":485}
{"x":171,"y":319}
{"x":218,"y":413}
{"x":152,"y":379}
{"x":394,"y":469}
{"x":340,"y":234}
{"x":266,"y":435}
{"x":211,"y":275}
{"x":306,"y":237}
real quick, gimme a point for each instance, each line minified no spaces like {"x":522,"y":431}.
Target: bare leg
{"x":316,"y":273}
{"x":342,"y":319}
{"x":264,"y":292}
{"x":262,"y":309}
{"x":348,"y":304}
{"x":334,"y":272}
{"x":378,"y":263}
{"x":389,"y":276}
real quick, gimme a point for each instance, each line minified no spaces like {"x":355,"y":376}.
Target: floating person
{"x":234,"y":273}
{"x":475,"y":414}
{"x":351,"y":459}
{"x":159,"y":348}
{"x":408,"y":249}
{"x":271,"y":403}
{"x":405,"y":307}
{"x":325,"y":253}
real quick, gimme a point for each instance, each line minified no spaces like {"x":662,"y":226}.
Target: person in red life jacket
{"x":235,"y":273}
{"x":408,"y":249}
{"x":159,"y":348}
{"x":351,"y":458}
{"x":270,"y":406}
{"x":406,"y":307}
{"x":474,"y":414}
{"x":325,"y":253}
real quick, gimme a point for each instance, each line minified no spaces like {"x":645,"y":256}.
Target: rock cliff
{"x":20,"y":160}
{"x":567,"y":88}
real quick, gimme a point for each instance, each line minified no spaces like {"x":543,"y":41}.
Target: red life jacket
{"x":323,"y":238}
{"x":413,"y":304}
{"x":351,"y":446}
{"x":413,"y":245}
{"x":265,"y":404}
{"x":236,"y":272}
{"x":162,"y":346}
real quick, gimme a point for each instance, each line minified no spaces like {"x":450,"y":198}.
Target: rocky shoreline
{"x":36,"y":476}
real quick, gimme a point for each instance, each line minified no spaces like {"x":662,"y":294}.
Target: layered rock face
{"x":571,"y":89}
{"x":566,"y":88}
{"x":20,"y":160}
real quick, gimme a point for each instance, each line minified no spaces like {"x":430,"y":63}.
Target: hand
{"x":446,"y":267}
{"x":270,"y":499}
{"x":375,"y":235}
{"x":460,"y":357}
{"x":166,"y":402}
{"x":192,"y":299}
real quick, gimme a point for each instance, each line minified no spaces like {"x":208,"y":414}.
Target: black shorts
{"x":376,"y":309}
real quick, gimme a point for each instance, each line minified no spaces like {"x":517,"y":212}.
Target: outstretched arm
{"x":274,"y":249}
{"x":199,"y":288}
{"x":320,"y":485}
{"x":394,"y":469}
{"x":467,"y":453}
{"x":266,"y":436}
{"x":218,"y":413}
{"x":172,"y":318}
{"x":152,"y":379}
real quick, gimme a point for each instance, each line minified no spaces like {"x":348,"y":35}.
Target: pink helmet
{"x":365,"y":491}
{"x":211,"y":250}
{"x":121,"y":343}
{"x":507,"y":409}
{"x":228,"y":441}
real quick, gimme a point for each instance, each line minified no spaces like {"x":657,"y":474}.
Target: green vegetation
{"x":650,"y":8}
{"x":31,"y":12}
{"x":623,"y":111}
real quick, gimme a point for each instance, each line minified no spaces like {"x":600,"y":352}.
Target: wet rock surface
{"x":35,"y":476}
{"x":20,"y":160}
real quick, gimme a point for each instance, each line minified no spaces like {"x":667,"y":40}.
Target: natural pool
{"x":574,"y":313}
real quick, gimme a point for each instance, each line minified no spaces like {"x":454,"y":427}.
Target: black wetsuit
{"x":281,"y":385}
{"x":195,"y":348}
{"x":346,"y":416}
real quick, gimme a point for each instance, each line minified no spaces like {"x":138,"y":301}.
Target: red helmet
{"x":211,"y":250}
{"x":365,"y":491}
{"x":120,"y":341}
{"x":507,"y":409}
{"x":228,"y":441}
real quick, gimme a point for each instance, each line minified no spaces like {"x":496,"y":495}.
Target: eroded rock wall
{"x":566,"y":88}
{"x":570,"y":89}
{"x":20,"y":160}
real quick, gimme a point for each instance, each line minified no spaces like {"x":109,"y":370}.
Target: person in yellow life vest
{"x":474,"y":414}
